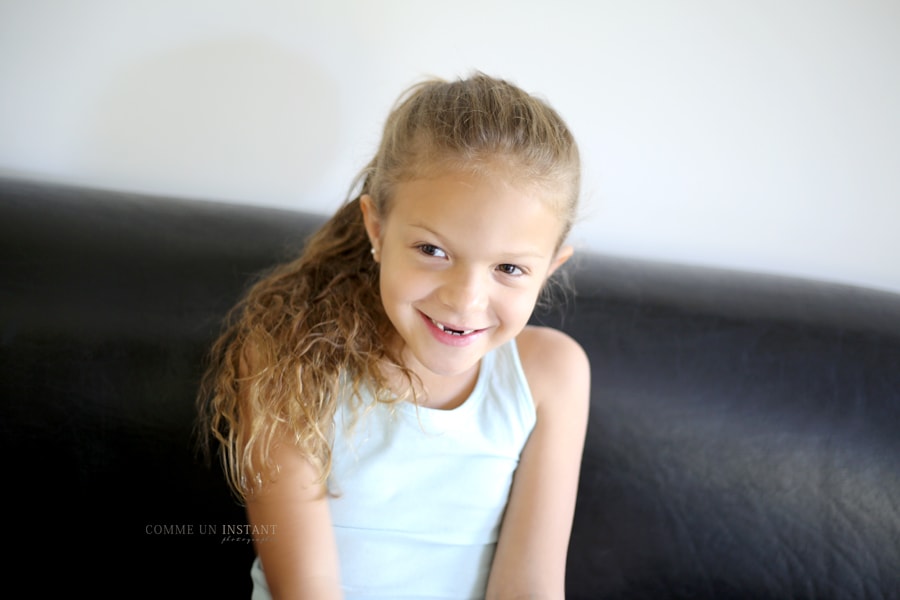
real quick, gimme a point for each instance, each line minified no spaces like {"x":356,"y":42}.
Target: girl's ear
{"x":372,"y":221}
{"x":562,"y":255}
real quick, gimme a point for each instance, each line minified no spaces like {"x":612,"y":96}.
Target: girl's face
{"x":463,"y":259}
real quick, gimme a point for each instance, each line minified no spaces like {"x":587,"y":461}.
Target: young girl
{"x":380,"y":403}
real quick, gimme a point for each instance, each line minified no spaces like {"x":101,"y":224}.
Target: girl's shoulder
{"x":554,"y":363}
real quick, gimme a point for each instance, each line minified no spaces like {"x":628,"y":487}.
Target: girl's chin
{"x":431,"y":365}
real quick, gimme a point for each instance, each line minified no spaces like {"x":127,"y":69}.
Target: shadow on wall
{"x":226,"y":119}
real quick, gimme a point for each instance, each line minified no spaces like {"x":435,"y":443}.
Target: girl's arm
{"x":530,"y":561}
{"x":300,"y":558}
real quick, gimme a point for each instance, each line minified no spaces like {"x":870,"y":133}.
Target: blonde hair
{"x":311,"y":333}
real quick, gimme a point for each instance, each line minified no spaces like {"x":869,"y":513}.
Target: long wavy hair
{"x":311,"y":333}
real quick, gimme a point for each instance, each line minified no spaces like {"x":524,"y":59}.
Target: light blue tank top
{"x":421,"y":492}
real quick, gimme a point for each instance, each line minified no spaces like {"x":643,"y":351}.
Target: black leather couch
{"x":744,"y":438}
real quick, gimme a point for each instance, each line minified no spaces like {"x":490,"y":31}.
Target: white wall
{"x":758,"y":135}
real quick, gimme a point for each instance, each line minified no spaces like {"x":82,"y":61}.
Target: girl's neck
{"x":447,"y":393}
{"x":440,"y":392}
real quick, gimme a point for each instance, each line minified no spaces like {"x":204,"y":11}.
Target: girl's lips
{"x":450,"y":335}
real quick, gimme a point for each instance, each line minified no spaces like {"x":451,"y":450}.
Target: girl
{"x":380,"y":403}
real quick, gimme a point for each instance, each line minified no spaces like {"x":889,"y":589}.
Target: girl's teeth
{"x":451,"y":331}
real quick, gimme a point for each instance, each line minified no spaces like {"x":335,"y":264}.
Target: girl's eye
{"x":508,"y":269}
{"x":431,"y":250}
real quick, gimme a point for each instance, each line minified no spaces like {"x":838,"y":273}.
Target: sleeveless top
{"x":419,"y":493}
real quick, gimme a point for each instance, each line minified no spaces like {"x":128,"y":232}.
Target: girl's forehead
{"x":473,"y":206}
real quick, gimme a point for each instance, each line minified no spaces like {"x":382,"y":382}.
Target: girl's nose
{"x":463,"y":291}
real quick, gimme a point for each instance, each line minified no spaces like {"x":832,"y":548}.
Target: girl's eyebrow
{"x":426,"y":228}
{"x":525,"y":253}
{"x":440,"y":239}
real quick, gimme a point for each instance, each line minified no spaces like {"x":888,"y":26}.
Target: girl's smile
{"x":463,"y":259}
{"x":452,"y":335}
